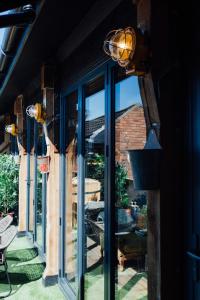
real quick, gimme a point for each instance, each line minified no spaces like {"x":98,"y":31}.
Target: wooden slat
{"x":18,"y":105}
{"x":151,"y":116}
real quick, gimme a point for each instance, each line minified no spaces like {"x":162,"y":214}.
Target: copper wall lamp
{"x":129,"y":47}
{"x":12,"y":129}
{"x":37,"y":112}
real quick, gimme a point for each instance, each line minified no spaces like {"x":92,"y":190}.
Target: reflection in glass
{"x":40,"y":191}
{"x":94,"y":189}
{"x":39,"y":209}
{"x":131,"y":205}
{"x":31,"y":195}
{"x":30,"y":176}
{"x":71,"y":190}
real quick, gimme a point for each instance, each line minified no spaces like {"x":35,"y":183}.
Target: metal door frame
{"x":109,"y":267}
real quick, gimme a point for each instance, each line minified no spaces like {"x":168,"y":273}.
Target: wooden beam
{"x":152,"y":116}
{"x":98,"y":12}
{"x":47,"y":76}
{"x":20,"y":122}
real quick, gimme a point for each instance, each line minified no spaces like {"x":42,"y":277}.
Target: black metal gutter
{"x":12,"y":45}
{"x":24,"y":16}
{"x":11,"y":38}
{"x":6,"y":5}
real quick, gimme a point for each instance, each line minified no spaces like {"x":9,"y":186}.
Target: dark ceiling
{"x":61,"y":28}
{"x":54,"y":23}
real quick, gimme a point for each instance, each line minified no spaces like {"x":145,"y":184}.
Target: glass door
{"x":39,"y":190}
{"x":130,"y":204}
{"x":101,"y":121}
{"x":94,"y":180}
{"x":30,"y":176}
{"x":71,"y":188}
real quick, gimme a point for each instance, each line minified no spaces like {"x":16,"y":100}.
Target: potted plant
{"x":123,"y":205}
{"x":9,"y":171}
{"x":122,"y":199}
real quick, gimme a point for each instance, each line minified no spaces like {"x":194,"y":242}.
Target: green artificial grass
{"x":122,"y":293}
{"x":21,"y":273}
{"x":25,"y":269}
{"x":94,"y":284}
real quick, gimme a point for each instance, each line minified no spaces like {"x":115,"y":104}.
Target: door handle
{"x":193,"y":255}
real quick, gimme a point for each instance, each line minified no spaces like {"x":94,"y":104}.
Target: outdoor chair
{"x":96,"y":232}
{"x":5,"y":240}
{"x":129,"y":245}
{"x":5,"y":223}
{"x":132,"y":246}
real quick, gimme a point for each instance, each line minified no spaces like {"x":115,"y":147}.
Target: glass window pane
{"x":131,"y":205}
{"x":39,"y":209}
{"x":41,"y":181}
{"x":31,"y":196}
{"x":94,"y":188}
{"x":71,"y":190}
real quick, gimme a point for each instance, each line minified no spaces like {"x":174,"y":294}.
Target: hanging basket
{"x":145,"y":165}
{"x":43,"y":164}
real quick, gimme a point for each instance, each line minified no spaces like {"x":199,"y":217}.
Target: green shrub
{"x":9,"y":176}
{"x":95,"y":170}
{"x":122,"y":199}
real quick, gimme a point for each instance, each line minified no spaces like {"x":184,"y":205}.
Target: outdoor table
{"x":119,"y":233}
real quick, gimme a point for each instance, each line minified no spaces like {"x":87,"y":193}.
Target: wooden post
{"x":21,"y":141}
{"x":4,"y":146}
{"x":22,"y":191}
{"x":152,"y":117}
{"x":52,"y":201}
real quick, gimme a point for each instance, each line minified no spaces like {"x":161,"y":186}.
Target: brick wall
{"x":130,"y":133}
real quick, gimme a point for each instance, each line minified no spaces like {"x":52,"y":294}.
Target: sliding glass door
{"x":130,"y":204}
{"x":30,"y":177}
{"x":94,"y":144}
{"x":39,"y":190}
{"x":103,"y":217}
{"x":71,"y":184}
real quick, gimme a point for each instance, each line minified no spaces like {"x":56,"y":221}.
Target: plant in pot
{"x":123,"y":207}
{"x":95,"y":169}
{"x":9,"y":172}
{"x":142,"y":217}
{"x":122,"y":199}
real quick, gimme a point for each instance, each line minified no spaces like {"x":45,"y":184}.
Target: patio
{"x":25,"y":269}
{"x":130,"y":284}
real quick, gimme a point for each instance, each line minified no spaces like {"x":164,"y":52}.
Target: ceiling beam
{"x":98,"y":12}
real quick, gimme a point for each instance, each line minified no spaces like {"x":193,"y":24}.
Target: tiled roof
{"x":92,"y":126}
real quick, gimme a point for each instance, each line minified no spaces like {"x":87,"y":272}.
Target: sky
{"x":3,"y":29}
{"x":1,"y":35}
{"x":127,"y":93}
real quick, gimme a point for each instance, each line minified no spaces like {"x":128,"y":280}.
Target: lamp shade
{"x":120,"y":45}
{"x":36,"y":111}
{"x":12,"y":129}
